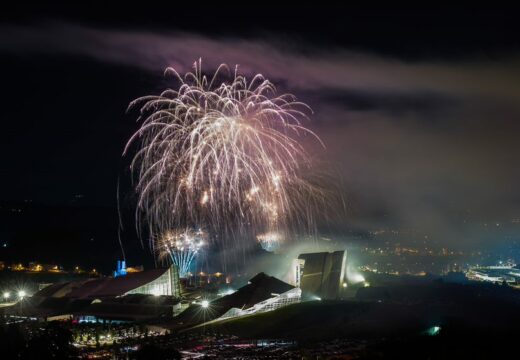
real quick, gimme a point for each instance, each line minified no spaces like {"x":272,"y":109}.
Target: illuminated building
{"x":277,"y":301}
{"x":121,"y":268}
{"x":322,"y":274}
{"x":134,"y":269}
{"x":18,"y":267}
{"x":133,"y":297}
{"x":150,"y":282}
{"x":35,"y":267}
{"x":262,"y":293}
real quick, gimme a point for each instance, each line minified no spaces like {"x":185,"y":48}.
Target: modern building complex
{"x":151,"y":295}
{"x":138,"y":295}
{"x":322,"y":274}
{"x":151,"y":282}
{"x":128,"y":296}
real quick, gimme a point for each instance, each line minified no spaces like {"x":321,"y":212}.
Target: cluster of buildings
{"x":500,"y":273}
{"x":133,"y":296}
{"x":36,"y":267}
{"x":159,"y":294}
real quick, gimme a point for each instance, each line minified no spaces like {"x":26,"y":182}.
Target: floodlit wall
{"x":332,"y":275}
{"x":311,"y":277}
{"x":166,"y":284}
{"x":323,"y":274}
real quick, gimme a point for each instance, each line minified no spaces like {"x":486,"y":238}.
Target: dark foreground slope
{"x":322,"y":320}
{"x":473,"y":321}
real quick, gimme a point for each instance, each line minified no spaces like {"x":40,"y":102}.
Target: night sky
{"x":419,"y":111}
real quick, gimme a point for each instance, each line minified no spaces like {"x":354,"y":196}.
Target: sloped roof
{"x":261,"y":287}
{"x":108,"y":287}
{"x":101,"y":287}
{"x":50,"y":290}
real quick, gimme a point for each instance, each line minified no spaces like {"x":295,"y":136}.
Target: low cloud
{"x":422,"y":141}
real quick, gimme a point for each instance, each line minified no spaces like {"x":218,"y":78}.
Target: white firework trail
{"x":225,"y":154}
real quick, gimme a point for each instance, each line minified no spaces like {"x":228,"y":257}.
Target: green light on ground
{"x":434,"y":330}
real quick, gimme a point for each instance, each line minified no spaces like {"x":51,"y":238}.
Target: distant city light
{"x":7,"y":295}
{"x":21,"y":294}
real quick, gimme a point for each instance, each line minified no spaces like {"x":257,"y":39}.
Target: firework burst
{"x":181,"y":248}
{"x":269,"y":241}
{"x":224,"y":152}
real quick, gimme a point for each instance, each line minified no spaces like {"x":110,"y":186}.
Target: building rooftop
{"x":101,"y":287}
{"x":261,"y":287}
